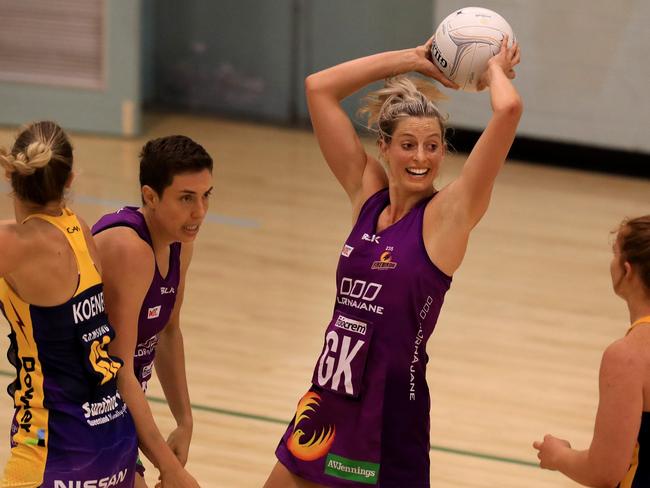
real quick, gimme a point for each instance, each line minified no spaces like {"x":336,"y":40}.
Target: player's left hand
{"x":549,"y":451}
{"x":505,"y":60}
{"x":179,"y":442}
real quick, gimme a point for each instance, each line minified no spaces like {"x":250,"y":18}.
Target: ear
{"x":68,"y":182}
{"x":383,"y":149}
{"x":628,"y":270}
{"x":149,"y":196}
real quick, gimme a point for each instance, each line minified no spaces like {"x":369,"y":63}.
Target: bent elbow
{"x":311,"y":83}
{"x":512,"y":109}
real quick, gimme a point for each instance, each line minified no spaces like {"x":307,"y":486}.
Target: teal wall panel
{"x":115,"y":109}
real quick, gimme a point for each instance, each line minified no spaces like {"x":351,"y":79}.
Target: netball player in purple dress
{"x":365,"y":419}
{"x":145,"y":254}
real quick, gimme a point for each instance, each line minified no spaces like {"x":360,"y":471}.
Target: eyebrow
{"x":192,"y":192}
{"x":408,"y":134}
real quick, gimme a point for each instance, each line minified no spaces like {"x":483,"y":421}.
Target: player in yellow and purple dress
{"x":619,"y":453}
{"x":70,"y":427}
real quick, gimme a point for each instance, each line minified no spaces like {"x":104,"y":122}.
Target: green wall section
{"x":89,"y":110}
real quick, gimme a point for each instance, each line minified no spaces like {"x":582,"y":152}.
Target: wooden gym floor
{"x":517,"y":347}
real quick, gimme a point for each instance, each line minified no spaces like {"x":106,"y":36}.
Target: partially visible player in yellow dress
{"x":619,"y":454}
{"x":70,"y":427}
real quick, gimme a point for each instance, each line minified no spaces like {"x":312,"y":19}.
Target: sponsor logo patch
{"x":385,"y":262}
{"x":154,"y":312}
{"x":351,"y":325}
{"x":347,"y":250}
{"x":351,"y":469}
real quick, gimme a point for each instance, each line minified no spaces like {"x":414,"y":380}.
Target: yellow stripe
{"x":629,"y":476}
{"x":26,"y":465}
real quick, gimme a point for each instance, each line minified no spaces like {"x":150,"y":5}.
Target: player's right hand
{"x":427,"y":67}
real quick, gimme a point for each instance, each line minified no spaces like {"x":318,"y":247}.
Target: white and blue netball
{"x":464,"y":42}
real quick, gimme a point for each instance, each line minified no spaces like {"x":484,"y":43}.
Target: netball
{"x":464,"y":42}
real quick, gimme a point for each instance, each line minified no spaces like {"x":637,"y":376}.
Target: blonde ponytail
{"x":39,"y":162}
{"x":400,"y":97}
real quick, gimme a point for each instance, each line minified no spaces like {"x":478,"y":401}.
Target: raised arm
{"x":128,"y":267}
{"x":617,"y":425}
{"x":170,"y":368}
{"x":356,"y":171}
{"x":473,"y":188}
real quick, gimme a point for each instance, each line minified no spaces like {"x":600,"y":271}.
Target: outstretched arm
{"x":617,"y":425}
{"x":338,"y":140}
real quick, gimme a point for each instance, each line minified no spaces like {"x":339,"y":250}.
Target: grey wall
{"x":584,"y":72}
{"x":228,"y":56}
{"x":249,"y":57}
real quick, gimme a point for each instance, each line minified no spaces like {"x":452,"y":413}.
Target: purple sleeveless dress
{"x":159,"y":301}
{"x":365,"y":419}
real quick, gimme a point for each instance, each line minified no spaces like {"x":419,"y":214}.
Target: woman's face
{"x":414,"y":153}
{"x":183,"y":205}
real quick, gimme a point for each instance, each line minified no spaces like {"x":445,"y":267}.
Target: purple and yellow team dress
{"x":70,"y":428}
{"x":638,"y":474}
{"x":160,"y":299}
{"x":365,"y":419}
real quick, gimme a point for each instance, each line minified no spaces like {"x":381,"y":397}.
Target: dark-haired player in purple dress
{"x":365,"y":419}
{"x":145,"y":255}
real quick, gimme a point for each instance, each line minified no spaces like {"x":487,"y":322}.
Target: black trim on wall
{"x":577,"y":156}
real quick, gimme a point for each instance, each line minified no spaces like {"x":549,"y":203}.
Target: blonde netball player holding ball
{"x":365,"y":419}
{"x":70,"y":426}
{"x":145,"y":253}
{"x":619,"y":454}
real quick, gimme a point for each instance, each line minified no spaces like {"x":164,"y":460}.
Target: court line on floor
{"x":272,"y":420}
{"x":214,"y":218}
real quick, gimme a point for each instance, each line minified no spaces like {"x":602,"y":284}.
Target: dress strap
{"x":643,"y":320}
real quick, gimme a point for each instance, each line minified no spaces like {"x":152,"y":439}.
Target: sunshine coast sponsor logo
{"x":351,"y":469}
{"x":25,"y":417}
{"x":385,"y":261}
{"x":167,"y":290}
{"x":106,"y":482}
{"x":351,"y":325}
{"x":147,"y":347}
{"x":96,"y":334}
{"x":360,"y":294}
{"x":371,"y":238}
{"x":88,"y":308}
{"x":419,"y":338}
{"x":107,"y":405}
{"x":347,"y":250}
{"x":154,"y":312}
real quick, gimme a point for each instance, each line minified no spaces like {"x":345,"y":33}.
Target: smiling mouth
{"x":417,"y":171}
{"x":191,"y":228}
